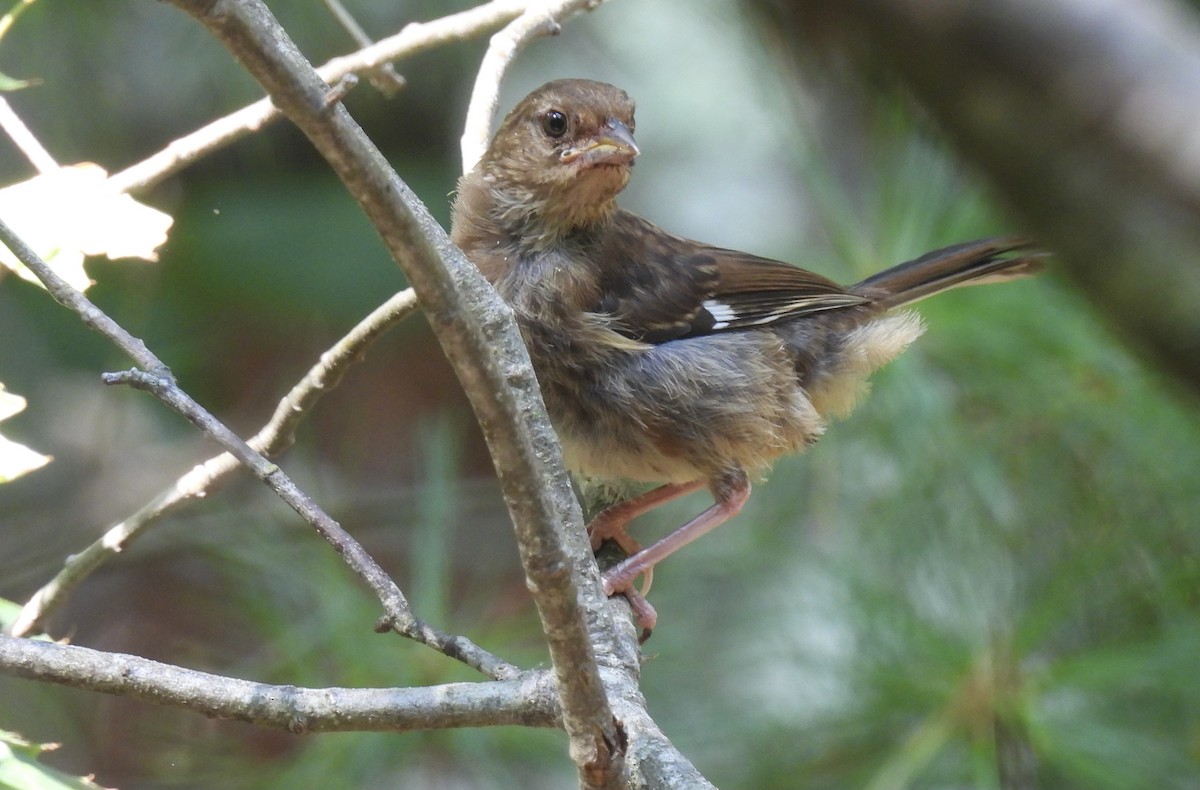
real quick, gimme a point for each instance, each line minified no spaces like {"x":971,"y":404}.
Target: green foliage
{"x":20,"y":768}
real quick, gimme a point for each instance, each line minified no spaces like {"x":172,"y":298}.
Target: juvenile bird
{"x":664,"y":360}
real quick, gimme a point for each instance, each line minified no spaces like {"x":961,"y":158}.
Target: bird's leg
{"x":609,"y":524}
{"x":730,"y":498}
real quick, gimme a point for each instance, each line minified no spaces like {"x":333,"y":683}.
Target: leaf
{"x":16,"y":459}
{"x":10,"y":404}
{"x":8,"y":83}
{"x":71,"y":213}
{"x":19,"y":767}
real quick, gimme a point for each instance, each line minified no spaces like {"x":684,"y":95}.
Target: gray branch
{"x":414,"y":39}
{"x":156,"y":377}
{"x":479,"y":336}
{"x":527,"y":700}
{"x":481,"y":340}
{"x":276,"y":436}
{"x":539,"y":19}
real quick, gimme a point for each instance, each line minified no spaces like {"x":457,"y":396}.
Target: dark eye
{"x":554,"y":123}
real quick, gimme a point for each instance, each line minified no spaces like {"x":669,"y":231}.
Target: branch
{"x":1084,"y":115}
{"x":414,"y":39}
{"x":539,"y":19}
{"x":274,"y":437}
{"x":24,"y":140}
{"x":73,"y":300}
{"x":658,"y":764}
{"x":156,"y":378}
{"x":383,"y":77}
{"x":478,"y":333}
{"x":527,"y":700}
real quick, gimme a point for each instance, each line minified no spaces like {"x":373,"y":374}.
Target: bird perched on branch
{"x":664,"y":360}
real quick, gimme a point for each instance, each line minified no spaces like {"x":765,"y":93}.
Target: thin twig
{"x":156,"y":378}
{"x":24,"y":140}
{"x":482,"y":341}
{"x":527,"y":700}
{"x":73,"y":300}
{"x":415,"y":38}
{"x":272,"y":439}
{"x":540,"y":19}
{"x":384,"y":76}
{"x":340,"y":89}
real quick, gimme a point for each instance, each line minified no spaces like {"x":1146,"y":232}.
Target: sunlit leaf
{"x":8,"y":83}
{"x":72,"y":213}
{"x":16,"y":459}
{"x":19,"y":767}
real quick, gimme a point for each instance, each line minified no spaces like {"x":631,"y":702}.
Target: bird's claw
{"x":644,"y":615}
{"x":601,"y":530}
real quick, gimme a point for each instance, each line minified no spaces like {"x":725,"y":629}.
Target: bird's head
{"x":561,"y":157}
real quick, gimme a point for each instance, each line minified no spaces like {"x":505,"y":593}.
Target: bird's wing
{"x":658,"y":287}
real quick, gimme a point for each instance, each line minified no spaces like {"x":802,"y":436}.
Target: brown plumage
{"x":661,"y":359}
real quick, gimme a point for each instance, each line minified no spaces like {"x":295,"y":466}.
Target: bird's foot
{"x":644,"y":615}
{"x":610,"y":523}
{"x":602,"y":529}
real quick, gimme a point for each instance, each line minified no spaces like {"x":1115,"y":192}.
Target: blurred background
{"x":987,"y":577}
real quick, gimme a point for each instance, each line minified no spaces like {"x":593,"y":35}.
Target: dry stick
{"x":540,"y":19}
{"x":92,"y":316}
{"x":274,"y":437}
{"x":155,"y":377}
{"x":526,"y":701}
{"x":482,"y":342}
{"x":24,"y":140}
{"x":413,"y":39}
{"x":383,"y":77}
{"x":277,"y":434}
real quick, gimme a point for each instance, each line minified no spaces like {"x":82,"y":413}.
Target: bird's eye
{"x":554,"y":123}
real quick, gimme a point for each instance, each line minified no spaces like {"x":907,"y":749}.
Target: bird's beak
{"x":614,"y":145}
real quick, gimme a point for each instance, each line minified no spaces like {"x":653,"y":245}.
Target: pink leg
{"x":610,"y":523}
{"x":620,"y":579}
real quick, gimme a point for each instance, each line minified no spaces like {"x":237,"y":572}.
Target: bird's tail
{"x":970,"y":263}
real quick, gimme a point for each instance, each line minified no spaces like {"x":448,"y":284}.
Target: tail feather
{"x":971,"y":263}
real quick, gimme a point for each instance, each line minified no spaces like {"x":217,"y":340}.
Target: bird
{"x":667,"y":361}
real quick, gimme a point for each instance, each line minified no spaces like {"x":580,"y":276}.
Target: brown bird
{"x":663,"y":360}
